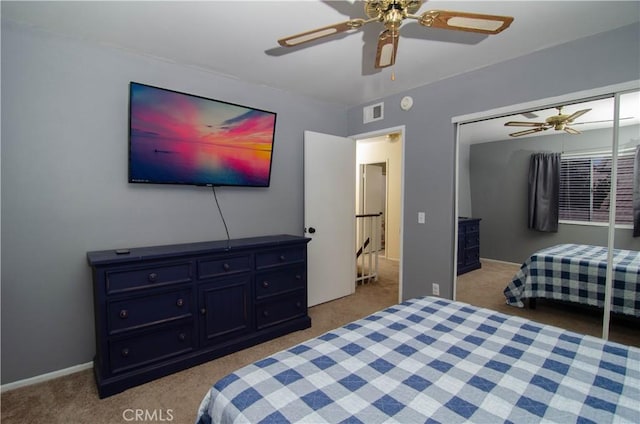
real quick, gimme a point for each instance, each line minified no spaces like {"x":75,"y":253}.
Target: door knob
{"x":312,"y":230}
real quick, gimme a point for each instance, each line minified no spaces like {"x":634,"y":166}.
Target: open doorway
{"x":372,"y":198}
{"x":379,"y":185}
{"x":379,"y":169}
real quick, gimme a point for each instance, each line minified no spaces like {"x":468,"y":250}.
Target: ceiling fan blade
{"x":577,"y":114}
{"x":525,"y":132}
{"x":387,"y":48}
{"x":524,"y":124}
{"x":571,"y":130}
{"x":317,"y":33}
{"x":462,"y":21}
{"x":600,"y":121}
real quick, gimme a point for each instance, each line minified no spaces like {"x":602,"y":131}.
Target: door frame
{"x":377,"y":133}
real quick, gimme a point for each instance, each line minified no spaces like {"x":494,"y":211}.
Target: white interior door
{"x":329,"y":215}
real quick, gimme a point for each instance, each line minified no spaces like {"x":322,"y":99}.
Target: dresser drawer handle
{"x":152,"y":277}
{"x":265,"y":284}
{"x":124,"y":314}
{"x":182,"y":337}
{"x":179,"y":302}
{"x":298,"y":277}
{"x":203,"y":311}
{"x":124,"y":352}
{"x":265,"y":313}
{"x":226,"y":267}
{"x":282,"y":258}
{"x":298,"y":304}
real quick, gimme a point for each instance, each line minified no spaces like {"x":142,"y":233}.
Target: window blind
{"x":585,"y":184}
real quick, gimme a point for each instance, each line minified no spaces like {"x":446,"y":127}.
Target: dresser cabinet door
{"x":224,"y":309}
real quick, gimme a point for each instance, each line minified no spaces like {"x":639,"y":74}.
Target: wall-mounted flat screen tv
{"x":179,"y":138}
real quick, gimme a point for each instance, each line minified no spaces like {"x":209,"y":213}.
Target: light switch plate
{"x":421,"y":217}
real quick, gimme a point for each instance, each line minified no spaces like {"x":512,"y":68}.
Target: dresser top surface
{"x":467,"y":219}
{"x":101,"y":257}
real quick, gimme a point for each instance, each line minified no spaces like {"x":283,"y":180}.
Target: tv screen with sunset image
{"x":179,"y":138}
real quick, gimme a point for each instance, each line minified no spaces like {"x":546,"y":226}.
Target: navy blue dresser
{"x":468,"y":245}
{"x":162,"y":309}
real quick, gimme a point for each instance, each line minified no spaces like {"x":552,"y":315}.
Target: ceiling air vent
{"x":373,"y":113}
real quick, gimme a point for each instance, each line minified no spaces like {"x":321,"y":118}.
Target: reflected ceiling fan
{"x":558,"y":122}
{"x":391,"y":13}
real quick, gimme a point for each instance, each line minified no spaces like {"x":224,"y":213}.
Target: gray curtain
{"x":636,"y":193}
{"x":544,"y":191}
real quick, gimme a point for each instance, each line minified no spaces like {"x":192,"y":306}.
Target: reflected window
{"x":585,"y":184}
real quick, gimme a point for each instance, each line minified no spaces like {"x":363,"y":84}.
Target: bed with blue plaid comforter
{"x":437,"y":361}
{"x":576,"y":273}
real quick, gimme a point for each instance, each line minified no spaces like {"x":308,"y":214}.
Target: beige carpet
{"x":73,"y":399}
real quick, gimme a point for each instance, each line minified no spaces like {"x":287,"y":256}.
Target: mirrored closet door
{"x":623,"y":297}
{"x":509,"y":169}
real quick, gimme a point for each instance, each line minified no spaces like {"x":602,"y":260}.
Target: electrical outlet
{"x":435,"y":289}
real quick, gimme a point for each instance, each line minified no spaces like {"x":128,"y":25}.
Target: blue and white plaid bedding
{"x":437,"y":361}
{"x":576,"y":273}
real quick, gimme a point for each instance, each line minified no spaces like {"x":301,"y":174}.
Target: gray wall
{"x":499,"y":184}
{"x":65,"y":190}
{"x":597,"y":61}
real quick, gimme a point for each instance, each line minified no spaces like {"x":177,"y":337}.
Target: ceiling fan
{"x":391,"y":13}
{"x":558,"y":122}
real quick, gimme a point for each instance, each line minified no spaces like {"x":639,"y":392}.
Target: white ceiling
{"x":239,"y":38}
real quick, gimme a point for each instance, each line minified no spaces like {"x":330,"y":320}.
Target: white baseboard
{"x":499,"y":262}
{"x":45,"y":377}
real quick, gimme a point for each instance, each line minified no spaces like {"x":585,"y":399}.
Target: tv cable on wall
{"x":222,"y":216}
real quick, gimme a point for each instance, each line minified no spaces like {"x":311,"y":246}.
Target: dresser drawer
{"x":214,"y":267}
{"x":471,"y":227}
{"x":141,"y":311}
{"x":472,"y":240}
{"x":281,"y":309}
{"x":282,"y":280}
{"x":150,"y":347}
{"x":149,"y":276}
{"x":471,"y":256}
{"x":280,"y":256}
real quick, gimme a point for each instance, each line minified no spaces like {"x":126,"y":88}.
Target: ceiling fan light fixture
{"x":558,"y":122}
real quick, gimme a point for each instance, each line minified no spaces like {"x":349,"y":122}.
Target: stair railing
{"x":368,"y":246}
